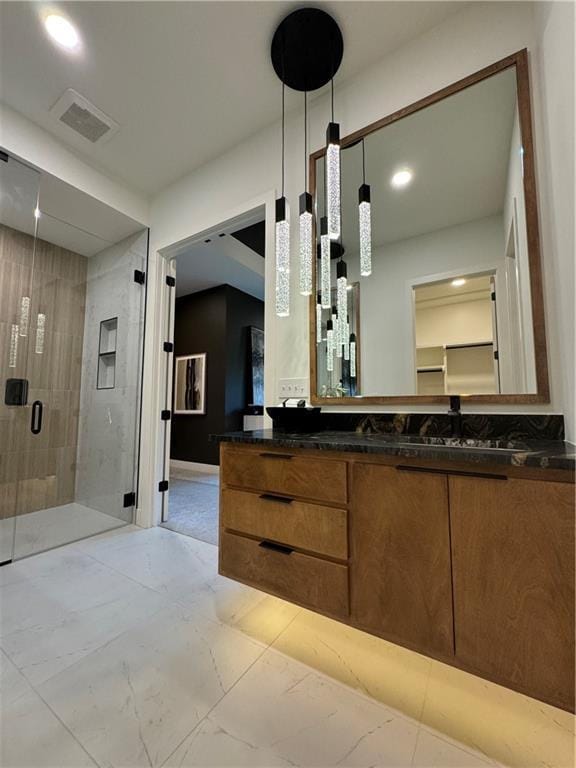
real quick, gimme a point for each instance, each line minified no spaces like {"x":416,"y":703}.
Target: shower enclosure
{"x":71,"y":339}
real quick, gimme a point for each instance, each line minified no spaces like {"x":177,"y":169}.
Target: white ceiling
{"x":441,"y":293}
{"x":458,"y":150}
{"x":223,"y":260}
{"x":185,"y":80}
{"x":68,"y":217}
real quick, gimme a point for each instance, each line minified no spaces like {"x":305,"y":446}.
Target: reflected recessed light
{"x":458,"y":282}
{"x":62,"y":31}
{"x":37,"y":212}
{"x":401,"y":178}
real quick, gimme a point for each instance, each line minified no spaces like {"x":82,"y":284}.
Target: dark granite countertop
{"x":541,"y":454}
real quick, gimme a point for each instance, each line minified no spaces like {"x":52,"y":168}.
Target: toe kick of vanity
{"x":475,"y":568}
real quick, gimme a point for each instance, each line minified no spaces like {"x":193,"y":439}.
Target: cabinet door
{"x":400,"y":550}
{"x":513,"y":563}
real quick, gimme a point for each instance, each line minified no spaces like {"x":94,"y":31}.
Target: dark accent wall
{"x":216,"y":322}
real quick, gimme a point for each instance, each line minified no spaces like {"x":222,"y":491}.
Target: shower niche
{"x":106,"y":376}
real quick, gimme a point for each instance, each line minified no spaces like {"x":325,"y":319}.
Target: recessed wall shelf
{"x":106,"y":378}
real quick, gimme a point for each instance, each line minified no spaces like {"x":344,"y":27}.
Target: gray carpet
{"x":193,"y":509}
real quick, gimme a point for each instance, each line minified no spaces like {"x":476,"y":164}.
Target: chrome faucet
{"x":455,"y":415}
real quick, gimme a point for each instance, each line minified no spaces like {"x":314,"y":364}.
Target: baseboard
{"x":195,"y":466}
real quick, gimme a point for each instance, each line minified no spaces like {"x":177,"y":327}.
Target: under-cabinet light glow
{"x":458,"y":282}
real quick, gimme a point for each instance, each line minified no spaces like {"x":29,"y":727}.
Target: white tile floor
{"x":129,"y":650}
{"x":51,"y":527}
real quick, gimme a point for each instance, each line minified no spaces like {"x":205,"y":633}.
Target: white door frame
{"x":160,"y":265}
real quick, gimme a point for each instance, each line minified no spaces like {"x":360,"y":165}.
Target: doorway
{"x":215,"y":378}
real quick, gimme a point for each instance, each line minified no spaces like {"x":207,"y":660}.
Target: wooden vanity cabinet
{"x":400,"y":577}
{"x":513,"y":564}
{"x":474,"y":569}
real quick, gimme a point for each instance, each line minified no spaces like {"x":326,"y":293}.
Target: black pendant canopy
{"x":307,"y":49}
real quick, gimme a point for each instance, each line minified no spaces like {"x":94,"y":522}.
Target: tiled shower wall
{"x":38,"y":471}
{"x":107,"y":443}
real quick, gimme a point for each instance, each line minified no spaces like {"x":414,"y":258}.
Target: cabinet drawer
{"x":286,"y":475}
{"x":310,"y":581}
{"x":311,"y":527}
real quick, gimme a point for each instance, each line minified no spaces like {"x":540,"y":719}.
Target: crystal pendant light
{"x":333,"y":175}
{"x":347,"y":339}
{"x":305,"y":220}
{"x":24,"y":315}
{"x":365,"y":220}
{"x":352,"y":355}
{"x":325,"y":264}
{"x":341,"y":301}
{"x":337,"y":325}
{"x":329,"y":346}
{"x":282,"y":258}
{"x":318,"y":318}
{"x":282,"y":243}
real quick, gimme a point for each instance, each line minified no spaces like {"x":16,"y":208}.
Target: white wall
{"x":553,"y":65}
{"x":463,"y":322}
{"x":474,"y":37}
{"x":27,"y":141}
{"x":386,"y":300}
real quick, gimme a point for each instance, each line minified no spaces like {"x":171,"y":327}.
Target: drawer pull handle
{"x":451,"y":472}
{"x":276,"y":547}
{"x":285,"y":456}
{"x":279,"y":499}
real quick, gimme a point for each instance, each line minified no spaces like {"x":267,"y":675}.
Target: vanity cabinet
{"x":400,"y":566}
{"x":284,"y":526}
{"x":473,"y":567}
{"x":513,"y":563}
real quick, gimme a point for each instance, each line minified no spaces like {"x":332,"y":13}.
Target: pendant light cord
{"x":363,"y":164}
{"x":283,"y":139}
{"x":332,"y":96}
{"x":305,"y":141}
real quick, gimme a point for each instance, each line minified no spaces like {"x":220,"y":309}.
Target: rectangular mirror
{"x":453,"y":304}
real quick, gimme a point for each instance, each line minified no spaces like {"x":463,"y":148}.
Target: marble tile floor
{"x":128,"y":650}
{"x":51,"y":527}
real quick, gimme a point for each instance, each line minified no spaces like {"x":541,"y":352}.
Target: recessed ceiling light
{"x":401,"y":178}
{"x":62,"y":31}
{"x":458,"y":282}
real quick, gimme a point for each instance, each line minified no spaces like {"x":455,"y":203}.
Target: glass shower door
{"x":78,"y":475}
{"x":19,"y":188}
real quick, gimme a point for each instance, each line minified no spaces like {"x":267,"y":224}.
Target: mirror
{"x":453,"y":304}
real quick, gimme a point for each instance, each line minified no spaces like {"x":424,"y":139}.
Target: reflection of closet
{"x":456,"y":369}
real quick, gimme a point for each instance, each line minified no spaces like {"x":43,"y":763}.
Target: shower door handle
{"x":36,"y":424}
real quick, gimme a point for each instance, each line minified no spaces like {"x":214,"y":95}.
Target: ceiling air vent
{"x":84,"y":118}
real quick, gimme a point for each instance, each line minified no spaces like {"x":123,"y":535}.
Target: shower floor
{"x":52,"y":527}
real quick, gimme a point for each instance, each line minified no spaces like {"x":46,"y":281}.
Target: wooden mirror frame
{"x":518,"y":60}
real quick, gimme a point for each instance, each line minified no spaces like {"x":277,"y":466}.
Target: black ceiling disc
{"x":307,"y":49}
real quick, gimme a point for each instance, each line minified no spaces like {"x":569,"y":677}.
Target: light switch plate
{"x":293,"y":388}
